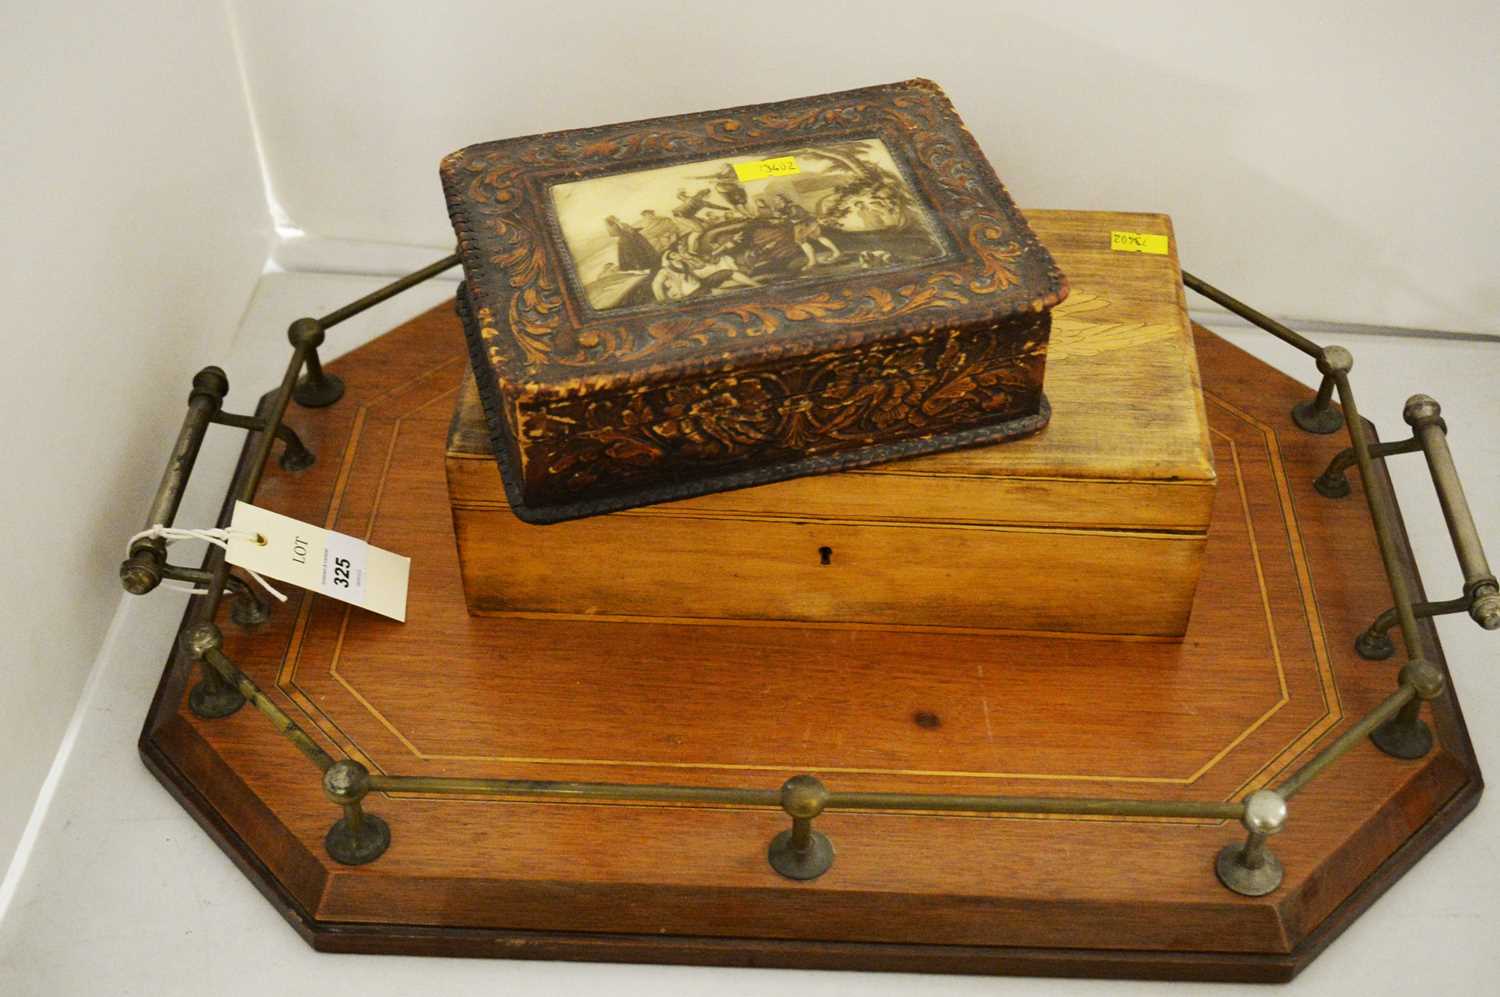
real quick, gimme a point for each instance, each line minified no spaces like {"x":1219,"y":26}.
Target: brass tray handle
{"x":801,"y":852}
{"x":1481,"y":594}
{"x":1480,"y":597}
{"x":146,"y":565}
{"x":1424,"y":415}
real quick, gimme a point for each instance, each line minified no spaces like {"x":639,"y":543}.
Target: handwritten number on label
{"x":1138,"y":242}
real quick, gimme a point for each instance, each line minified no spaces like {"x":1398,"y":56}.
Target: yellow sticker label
{"x":1138,"y":242}
{"x":782,"y":166}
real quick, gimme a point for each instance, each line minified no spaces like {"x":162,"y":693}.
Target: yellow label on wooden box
{"x":1138,"y":242}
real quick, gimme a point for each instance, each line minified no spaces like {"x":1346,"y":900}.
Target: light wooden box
{"x":1095,"y":525}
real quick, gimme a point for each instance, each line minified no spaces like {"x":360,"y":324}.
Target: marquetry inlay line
{"x":1265,"y":601}
{"x":397,"y":389}
{"x":1333,"y":709}
{"x":1278,"y":474}
{"x":286,"y":674}
{"x":1260,"y":574}
{"x":1295,"y":546}
{"x":1332,"y":698}
{"x":286,"y":678}
{"x":1203,"y":770}
{"x":338,"y":649}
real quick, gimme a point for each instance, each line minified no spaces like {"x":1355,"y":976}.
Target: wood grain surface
{"x":1097,"y":524}
{"x":1264,"y":677}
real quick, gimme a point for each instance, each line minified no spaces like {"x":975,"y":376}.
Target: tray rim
{"x":341,"y":936}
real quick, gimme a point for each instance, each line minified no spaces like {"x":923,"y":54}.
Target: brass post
{"x":802,"y":853}
{"x":248,"y":610}
{"x":1374,"y":643}
{"x":1380,"y":517}
{"x":1251,"y":869}
{"x":357,"y":837}
{"x":212,"y":697}
{"x":316,"y":388}
{"x":1334,"y":481}
{"x":294,"y":453}
{"x":1405,"y":735}
{"x":320,"y":388}
{"x":1319,"y":415}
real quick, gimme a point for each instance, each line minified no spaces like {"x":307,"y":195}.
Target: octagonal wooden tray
{"x":1266,"y":676}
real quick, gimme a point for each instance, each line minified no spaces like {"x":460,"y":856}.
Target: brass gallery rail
{"x":801,"y":852}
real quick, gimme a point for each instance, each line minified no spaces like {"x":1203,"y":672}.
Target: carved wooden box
{"x":686,"y":305}
{"x":1097,"y":524}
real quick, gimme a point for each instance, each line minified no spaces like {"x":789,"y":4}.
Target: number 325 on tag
{"x":334,"y":564}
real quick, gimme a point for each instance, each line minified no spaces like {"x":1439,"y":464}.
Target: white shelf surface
{"x":122,"y":893}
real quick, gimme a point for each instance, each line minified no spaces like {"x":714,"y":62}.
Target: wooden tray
{"x":1266,"y":675}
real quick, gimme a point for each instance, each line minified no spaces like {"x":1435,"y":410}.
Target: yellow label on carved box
{"x":1138,"y":242}
{"x":764,"y":169}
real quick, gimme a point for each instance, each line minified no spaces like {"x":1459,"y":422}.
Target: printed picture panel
{"x":678,"y":233}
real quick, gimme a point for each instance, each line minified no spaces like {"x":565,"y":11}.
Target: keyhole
{"x":825,"y":555}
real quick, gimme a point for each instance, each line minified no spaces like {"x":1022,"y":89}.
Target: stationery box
{"x":685,"y":305}
{"x":1096,"y":524}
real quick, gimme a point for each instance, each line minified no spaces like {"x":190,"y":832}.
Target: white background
{"x":135,"y":225}
{"x":1332,"y":163}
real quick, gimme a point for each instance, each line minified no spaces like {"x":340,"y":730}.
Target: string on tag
{"x":217,"y":537}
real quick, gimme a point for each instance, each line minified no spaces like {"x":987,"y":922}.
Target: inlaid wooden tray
{"x":1265,"y":677}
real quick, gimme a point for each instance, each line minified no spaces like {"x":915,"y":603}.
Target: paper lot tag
{"x":334,"y":564}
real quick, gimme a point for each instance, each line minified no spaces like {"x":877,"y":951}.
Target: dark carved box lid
{"x":563,"y":234}
{"x":691,"y":304}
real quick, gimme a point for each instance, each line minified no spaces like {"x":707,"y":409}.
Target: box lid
{"x":637,"y":253}
{"x":1128,"y":446}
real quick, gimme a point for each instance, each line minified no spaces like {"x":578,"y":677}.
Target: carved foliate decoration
{"x":930,"y":382}
{"x":704,"y":297}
